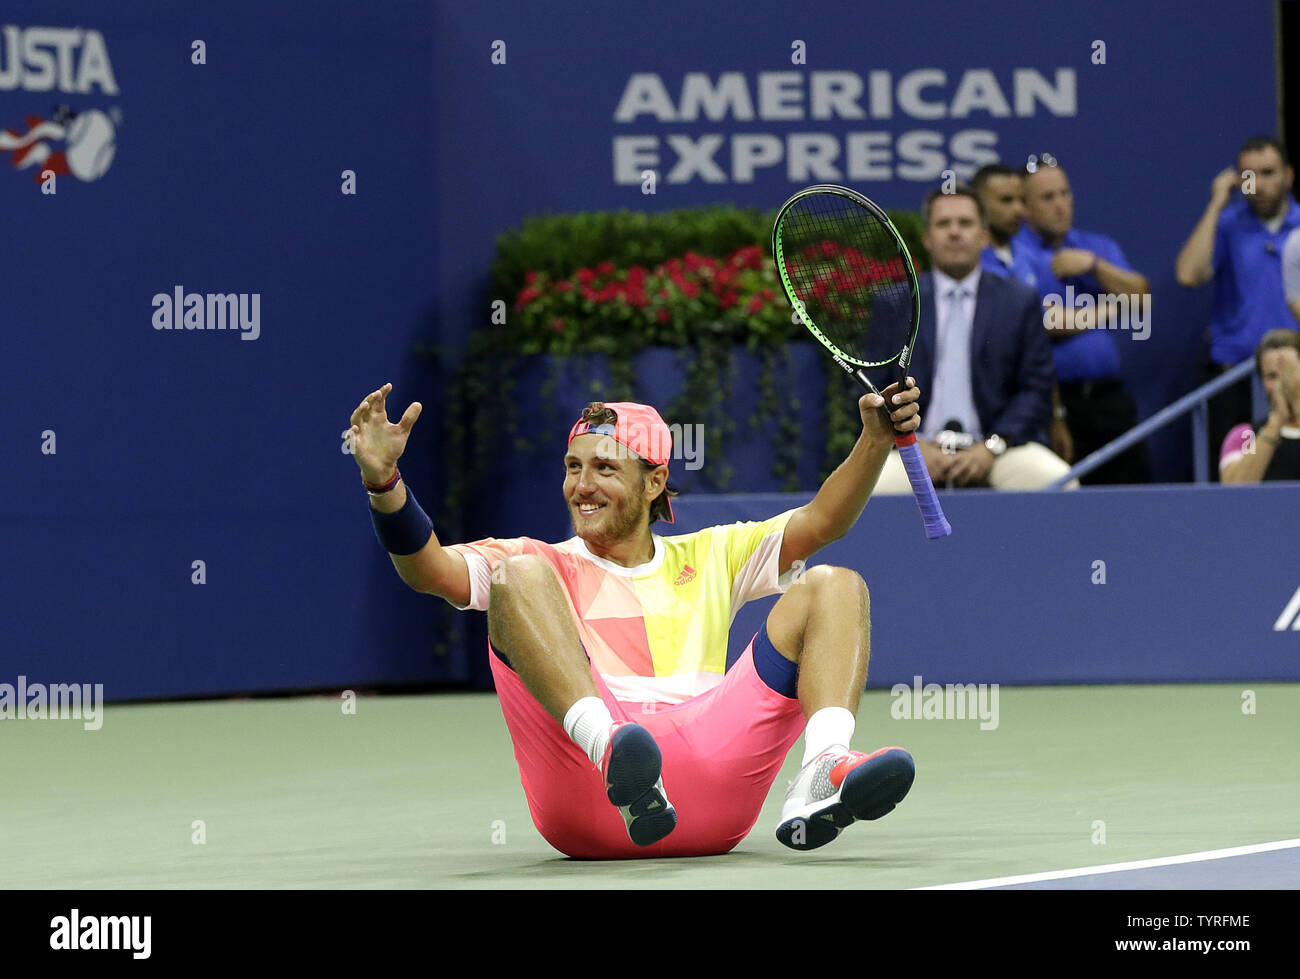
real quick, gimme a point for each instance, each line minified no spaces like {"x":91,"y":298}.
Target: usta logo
{"x":81,"y":143}
{"x":41,"y":59}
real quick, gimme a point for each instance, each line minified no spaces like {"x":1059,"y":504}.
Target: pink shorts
{"x":722,"y":750}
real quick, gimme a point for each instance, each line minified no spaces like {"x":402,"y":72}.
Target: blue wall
{"x":175,"y":446}
{"x":1195,"y":579}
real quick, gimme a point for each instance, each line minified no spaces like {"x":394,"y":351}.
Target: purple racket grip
{"x":936,"y":524}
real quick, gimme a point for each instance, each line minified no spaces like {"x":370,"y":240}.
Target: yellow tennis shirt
{"x":658,"y":632}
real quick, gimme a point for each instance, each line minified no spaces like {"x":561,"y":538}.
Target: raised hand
{"x":1286,"y":392}
{"x":377,"y":443}
{"x":1225,"y":186}
{"x":905,"y":414}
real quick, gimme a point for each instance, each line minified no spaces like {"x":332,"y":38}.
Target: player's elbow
{"x":825,"y":540}
{"x":419,"y":583}
{"x":433,"y":571}
{"x":457,"y":594}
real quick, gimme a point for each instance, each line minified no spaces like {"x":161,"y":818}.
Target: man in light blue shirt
{"x":1239,"y":243}
{"x":1077,"y":273}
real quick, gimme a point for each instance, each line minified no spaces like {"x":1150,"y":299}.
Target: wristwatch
{"x":996,"y":444}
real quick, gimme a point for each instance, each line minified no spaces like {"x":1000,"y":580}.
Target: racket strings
{"x":848,"y":271}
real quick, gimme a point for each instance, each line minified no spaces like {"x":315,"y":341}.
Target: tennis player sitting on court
{"x":609,"y":649}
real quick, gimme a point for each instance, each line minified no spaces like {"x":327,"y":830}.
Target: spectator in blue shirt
{"x":1238,"y":243}
{"x":1001,"y":190}
{"x":1080,"y":276}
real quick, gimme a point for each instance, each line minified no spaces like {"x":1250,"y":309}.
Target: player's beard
{"x":619,"y":521}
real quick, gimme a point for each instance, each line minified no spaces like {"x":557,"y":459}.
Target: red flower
{"x":728,"y":299}
{"x":662,"y":316}
{"x":605,"y":268}
{"x":564,"y":285}
{"x":530,"y":277}
{"x":755,"y":305}
{"x":749,"y":257}
{"x":557,"y":325}
{"x":586,"y":276}
{"x":689,"y":289}
{"x":873,"y":270}
{"x":525,"y":297}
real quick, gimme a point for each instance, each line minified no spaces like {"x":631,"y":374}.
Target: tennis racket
{"x":849,"y":277}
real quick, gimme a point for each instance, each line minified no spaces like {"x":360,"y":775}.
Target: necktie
{"x":954,"y":307}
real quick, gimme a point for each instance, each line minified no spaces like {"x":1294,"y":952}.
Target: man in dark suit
{"x":982,"y":353}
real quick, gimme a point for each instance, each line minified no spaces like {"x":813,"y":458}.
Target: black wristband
{"x":404,"y":531}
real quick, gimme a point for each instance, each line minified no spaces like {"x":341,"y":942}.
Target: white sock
{"x":587,"y":723}
{"x":830,"y":727}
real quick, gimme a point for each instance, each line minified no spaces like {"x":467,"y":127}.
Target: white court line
{"x":1111,"y":868}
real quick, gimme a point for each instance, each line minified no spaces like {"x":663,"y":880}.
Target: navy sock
{"x":773,"y":668}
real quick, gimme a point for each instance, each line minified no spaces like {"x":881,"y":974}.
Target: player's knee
{"x":842,"y":581}
{"x":519,"y":574}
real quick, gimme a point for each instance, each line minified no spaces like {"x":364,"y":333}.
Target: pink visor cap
{"x":639,"y":428}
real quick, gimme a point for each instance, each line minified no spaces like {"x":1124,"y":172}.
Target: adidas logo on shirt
{"x":687,"y":575}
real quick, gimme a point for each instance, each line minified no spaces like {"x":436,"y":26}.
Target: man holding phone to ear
{"x":1238,"y":243}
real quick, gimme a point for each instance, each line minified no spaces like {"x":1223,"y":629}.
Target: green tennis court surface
{"x":422,"y":791}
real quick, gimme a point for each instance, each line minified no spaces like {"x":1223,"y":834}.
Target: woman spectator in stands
{"x":1271,"y":449}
